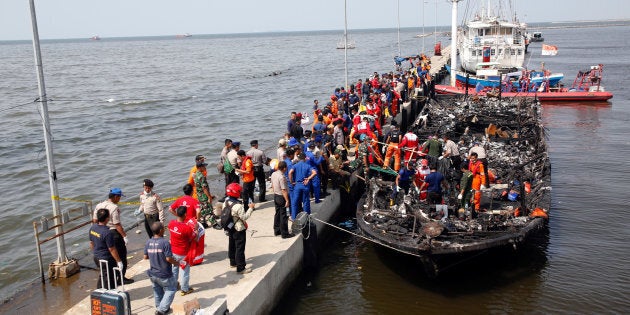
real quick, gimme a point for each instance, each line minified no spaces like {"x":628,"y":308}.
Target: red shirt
{"x":191,"y":204}
{"x":181,"y":237}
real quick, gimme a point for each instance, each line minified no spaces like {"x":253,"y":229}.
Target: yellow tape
{"x":120,"y":203}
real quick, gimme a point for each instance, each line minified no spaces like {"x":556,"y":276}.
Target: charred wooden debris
{"x":513,"y":136}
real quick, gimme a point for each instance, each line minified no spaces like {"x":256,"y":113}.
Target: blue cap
{"x":116,"y":191}
{"x":293,"y":142}
{"x":236,"y":144}
{"x":318,"y":138}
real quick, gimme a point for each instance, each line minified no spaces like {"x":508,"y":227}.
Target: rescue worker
{"x":409,"y":143}
{"x":435,"y":183}
{"x":249,"y":180}
{"x":451,"y":151}
{"x":103,"y":247}
{"x":203,"y":194}
{"x":193,"y":170}
{"x":315,"y":160}
{"x":115,"y":226}
{"x":364,"y":153}
{"x":392,"y":140}
{"x":232,"y":158}
{"x":481,"y":156}
{"x":237,"y":235}
{"x":404,"y":180}
{"x":281,"y":201}
{"x":258,"y":160}
{"x":465,"y":185}
{"x":433,"y":148}
{"x":150,"y":206}
{"x":300,"y":176}
{"x":479,"y":178}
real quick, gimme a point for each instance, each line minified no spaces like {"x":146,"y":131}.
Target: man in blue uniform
{"x":300,"y":176}
{"x":103,"y":247}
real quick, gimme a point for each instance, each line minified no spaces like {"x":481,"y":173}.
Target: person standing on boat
{"x":465,"y":186}
{"x":291,"y":121}
{"x":193,"y":170}
{"x":433,"y":148}
{"x":300,"y":176}
{"x":481,"y":156}
{"x":451,"y":151}
{"x":150,"y":206}
{"x":258,"y":160}
{"x":409,"y":143}
{"x":315,"y":159}
{"x":404,"y":180}
{"x":479,"y":178}
{"x":435,"y":183}
{"x":115,"y":226}
{"x":392,"y":140}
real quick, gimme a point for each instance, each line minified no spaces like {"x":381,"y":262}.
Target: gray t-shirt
{"x":158,"y":249}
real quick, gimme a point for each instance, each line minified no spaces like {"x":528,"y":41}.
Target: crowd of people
{"x":309,"y":160}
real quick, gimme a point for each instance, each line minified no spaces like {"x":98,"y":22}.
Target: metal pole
{"x":454,"y":41}
{"x":52,"y":173}
{"x":399,"y":54}
{"x":39,"y":252}
{"x":345,"y":41}
{"x":435,"y":26}
{"x":423,"y":34}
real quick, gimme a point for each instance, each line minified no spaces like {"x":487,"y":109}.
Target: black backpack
{"x":226,"y":220}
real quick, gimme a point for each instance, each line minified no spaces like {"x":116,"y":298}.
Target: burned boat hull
{"x":411,"y":226}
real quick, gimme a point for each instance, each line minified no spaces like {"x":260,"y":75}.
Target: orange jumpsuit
{"x":479,"y":177}
{"x":392,"y":149}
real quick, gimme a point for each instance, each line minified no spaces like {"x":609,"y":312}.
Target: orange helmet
{"x":233,"y":190}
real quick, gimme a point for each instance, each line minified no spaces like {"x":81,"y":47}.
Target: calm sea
{"x":128,"y":109}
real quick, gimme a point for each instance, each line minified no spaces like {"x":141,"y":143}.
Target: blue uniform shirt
{"x":301,"y":170}
{"x":434,"y":179}
{"x":102,"y":239}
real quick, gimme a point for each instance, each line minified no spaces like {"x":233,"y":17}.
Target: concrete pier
{"x":275,"y":263}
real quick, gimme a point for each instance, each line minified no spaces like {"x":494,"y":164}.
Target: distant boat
{"x":183,"y":35}
{"x":537,"y":37}
{"x":351,"y":44}
{"x":95,"y":37}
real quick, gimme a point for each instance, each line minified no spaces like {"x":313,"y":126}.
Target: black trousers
{"x":248,"y":193}
{"x":149,"y":219}
{"x":236,"y":248}
{"x":119,"y":243}
{"x":280,"y":219}
{"x":231,"y":178}
{"x":111,"y":263}
{"x":259,"y":173}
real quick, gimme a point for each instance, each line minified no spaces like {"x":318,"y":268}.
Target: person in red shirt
{"x":182,"y":236}
{"x":193,"y":209}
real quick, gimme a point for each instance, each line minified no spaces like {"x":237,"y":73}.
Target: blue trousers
{"x":316,"y":187}
{"x":164,"y":292}
{"x":300,"y":194}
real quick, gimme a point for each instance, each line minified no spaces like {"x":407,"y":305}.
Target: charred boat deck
{"x":515,"y":142}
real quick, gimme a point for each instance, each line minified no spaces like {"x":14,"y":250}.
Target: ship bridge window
{"x":513,"y":52}
{"x":492,"y":51}
{"x":520,"y":51}
{"x":473,"y":52}
{"x":500,"y":51}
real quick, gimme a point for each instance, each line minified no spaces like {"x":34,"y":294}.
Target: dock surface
{"x":274,"y":261}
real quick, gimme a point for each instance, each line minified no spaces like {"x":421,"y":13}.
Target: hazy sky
{"x":113,"y":18}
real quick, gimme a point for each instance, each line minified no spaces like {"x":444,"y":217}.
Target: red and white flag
{"x":549,"y":50}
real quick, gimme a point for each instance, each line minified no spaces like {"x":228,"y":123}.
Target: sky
{"x":121,"y":18}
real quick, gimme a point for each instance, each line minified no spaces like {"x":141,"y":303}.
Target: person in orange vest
{"x":393,"y":139}
{"x":479,"y":178}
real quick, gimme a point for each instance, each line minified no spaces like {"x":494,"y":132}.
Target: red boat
{"x":586,"y":87}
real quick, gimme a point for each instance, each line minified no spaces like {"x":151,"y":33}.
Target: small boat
{"x":515,"y":204}
{"x":586,"y":87}
{"x":183,"y":35}
{"x":351,"y":44}
{"x":95,"y":37}
{"x":537,"y":37}
{"x":490,"y":76}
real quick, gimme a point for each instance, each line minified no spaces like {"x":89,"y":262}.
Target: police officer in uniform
{"x":259,"y":160}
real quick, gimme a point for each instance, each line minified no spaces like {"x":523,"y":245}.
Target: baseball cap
{"x":236,"y":144}
{"x":116,"y":191}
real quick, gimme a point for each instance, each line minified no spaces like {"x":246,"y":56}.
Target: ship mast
{"x":454,"y":41}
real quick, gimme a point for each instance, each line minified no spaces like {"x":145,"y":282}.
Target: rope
{"x":362,"y":236}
